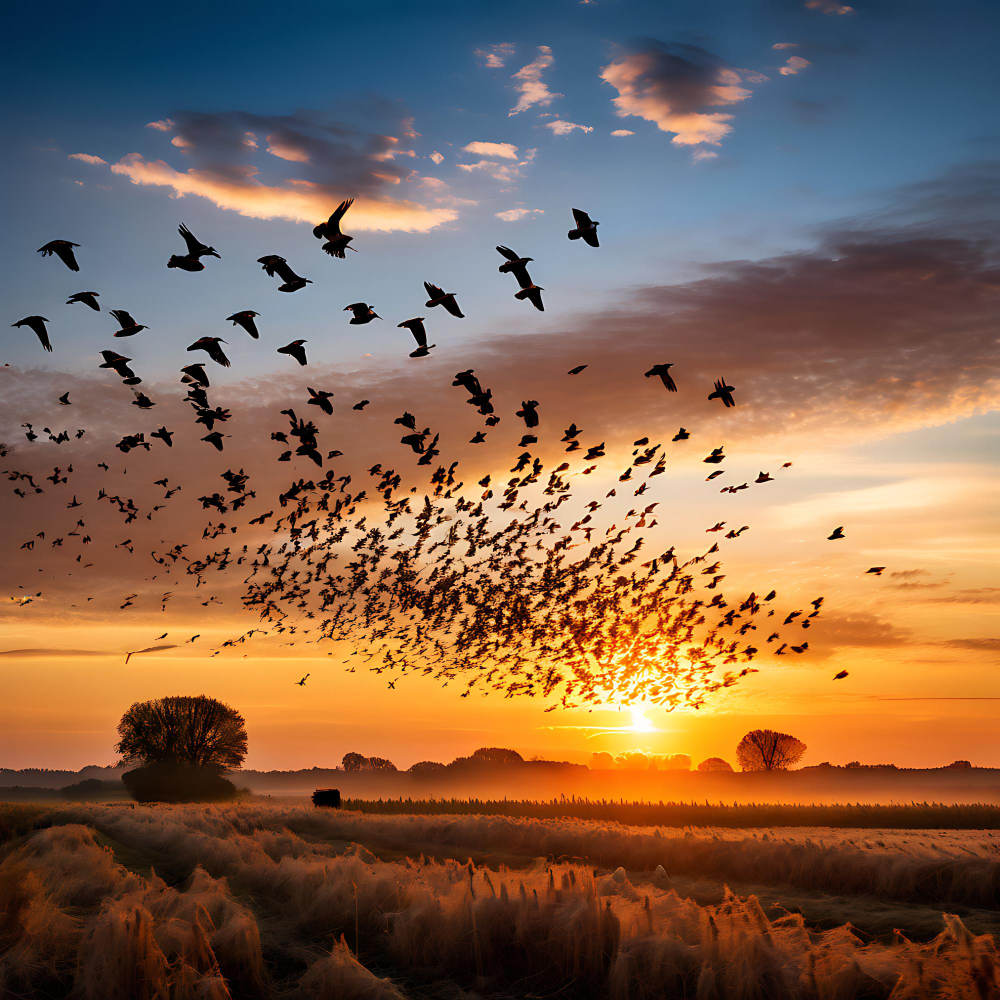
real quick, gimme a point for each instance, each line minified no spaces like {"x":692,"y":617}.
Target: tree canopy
{"x":189,"y":730}
{"x":359,"y":762}
{"x":766,"y":750}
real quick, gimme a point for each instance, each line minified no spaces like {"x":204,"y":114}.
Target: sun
{"x":640,"y":724}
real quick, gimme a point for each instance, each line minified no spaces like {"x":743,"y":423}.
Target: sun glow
{"x":640,"y":724}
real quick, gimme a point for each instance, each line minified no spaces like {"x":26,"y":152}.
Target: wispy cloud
{"x":534,"y":92}
{"x":830,"y":7}
{"x":794,"y":66}
{"x":87,"y":158}
{"x":514,"y":214}
{"x":562,"y":127}
{"x":495,"y":56}
{"x":497,"y":150}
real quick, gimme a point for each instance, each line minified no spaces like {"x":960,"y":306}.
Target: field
{"x":263,"y":899}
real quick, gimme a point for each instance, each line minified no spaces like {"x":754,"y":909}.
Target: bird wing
{"x":508,"y":253}
{"x":333,"y":223}
{"x":590,"y":236}
{"x":284,"y":271}
{"x":191,"y":241}
{"x":582,"y":219}
{"x":42,"y":334}
{"x":523,"y":278}
{"x":433,"y":291}
{"x":668,"y":381}
{"x":124,"y":318}
{"x":535,"y":296}
{"x":419,"y":334}
{"x":65,"y":253}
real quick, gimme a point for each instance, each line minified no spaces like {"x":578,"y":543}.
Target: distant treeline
{"x":911,"y":816}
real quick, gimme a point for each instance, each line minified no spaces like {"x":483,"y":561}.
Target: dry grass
{"x":268,"y":901}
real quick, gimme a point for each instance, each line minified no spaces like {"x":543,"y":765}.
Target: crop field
{"x":263,"y":899}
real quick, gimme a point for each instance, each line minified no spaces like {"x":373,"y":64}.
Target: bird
{"x":210,"y":345}
{"x":142,"y":400}
{"x":302,"y":683}
{"x":128,"y":326}
{"x":37,"y":325}
{"x":837,"y":533}
{"x":586,"y":228}
{"x":529,"y":290}
{"x":186,"y":262}
{"x":528,"y":412}
{"x":195,"y":248}
{"x":275,"y":265}
{"x":321,"y":399}
{"x":245,"y":318}
{"x":840,"y":676}
{"x":577,"y":369}
{"x":363,"y":313}
{"x":361,"y":405}
{"x":63,"y":249}
{"x":663,"y":371}
{"x":681,"y":435}
{"x":64,"y":399}
{"x":87,"y":298}
{"x":764,"y":477}
{"x":723,"y":392}
{"x":336,"y":241}
{"x":214,"y":439}
{"x":875,"y":570}
{"x":196,"y":372}
{"x":416,"y":327}
{"x":295,"y":350}
{"x":439,"y":297}
{"x":164,"y":435}
{"x":119,"y":364}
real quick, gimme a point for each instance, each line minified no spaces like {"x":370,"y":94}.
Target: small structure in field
{"x":327,"y":797}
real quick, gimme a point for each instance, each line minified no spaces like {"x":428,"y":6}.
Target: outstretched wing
{"x":194,"y":245}
{"x":123,"y":317}
{"x":43,"y":336}
{"x":508,"y":253}
{"x":582,"y":219}
{"x":419,"y":333}
{"x":523,"y":278}
{"x":433,"y":291}
{"x":282,"y":269}
{"x":333,"y":223}
{"x":590,"y":236}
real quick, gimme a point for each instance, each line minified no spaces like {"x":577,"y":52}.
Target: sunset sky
{"x":801,"y":197}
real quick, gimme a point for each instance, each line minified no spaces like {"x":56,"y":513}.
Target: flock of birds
{"x":506,"y":586}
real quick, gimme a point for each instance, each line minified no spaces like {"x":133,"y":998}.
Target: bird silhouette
{"x":577,"y":369}
{"x":127,"y":326}
{"x":586,"y":228}
{"x":439,"y":297}
{"x":875,"y":570}
{"x":835,"y":534}
{"x":416,"y":327}
{"x":186,"y":262}
{"x":211,"y":346}
{"x":302,"y":683}
{"x":723,"y":392}
{"x":295,"y":350}
{"x":64,"y":399}
{"x":37,"y":326}
{"x":321,"y":399}
{"x":275,"y":265}
{"x":663,"y":371}
{"x":245,"y":318}
{"x":195,"y":248}
{"x":840,"y":675}
{"x":87,"y":298}
{"x":196,"y":372}
{"x":336,"y":241}
{"x":63,"y":249}
{"x":120,"y":365}
{"x":363,"y":313}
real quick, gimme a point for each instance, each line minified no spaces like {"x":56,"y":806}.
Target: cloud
{"x":972,"y":595}
{"x":163,"y":125}
{"x":514,"y":214}
{"x":670,"y":83}
{"x":87,"y":158}
{"x":830,"y":7}
{"x":622,"y":132}
{"x":794,"y":66}
{"x":437,"y":158}
{"x":495,"y":56}
{"x":699,"y":155}
{"x":987,"y":645}
{"x":562,"y":127}
{"x":785,"y":45}
{"x":39,"y":651}
{"x":331,"y":160}
{"x":529,"y":83}
{"x":501,"y":150}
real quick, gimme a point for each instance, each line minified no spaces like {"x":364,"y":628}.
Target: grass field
{"x":261,"y":899}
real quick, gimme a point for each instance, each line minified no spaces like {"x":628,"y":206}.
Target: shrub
{"x":178,"y":783}
{"x":715,"y":764}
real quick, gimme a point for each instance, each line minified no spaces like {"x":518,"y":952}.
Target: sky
{"x":800,"y":196}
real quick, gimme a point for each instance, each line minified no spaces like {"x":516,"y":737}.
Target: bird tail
{"x":574,"y":234}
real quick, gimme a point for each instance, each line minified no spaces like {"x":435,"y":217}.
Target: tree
{"x":766,"y":750}
{"x":715,"y":764}
{"x":497,"y":755}
{"x":186,"y":731}
{"x":359,"y":762}
{"x":425,"y":766}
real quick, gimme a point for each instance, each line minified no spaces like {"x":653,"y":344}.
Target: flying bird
{"x":120,"y":365}
{"x":875,"y":570}
{"x":195,"y":248}
{"x":840,"y":676}
{"x":723,"y":392}
{"x":302,"y":683}
{"x":37,"y":325}
{"x":275,"y":265}
{"x":586,"y":228}
{"x":321,"y":399}
{"x":210,"y":345}
{"x":64,"y":399}
{"x":416,"y":327}
{"x":336,"y":241}
{"x":164,"y":435}
{"x":185,"y":262}
{"x":148,"y":649}
{"x":363,"y":313}
{"x":663,"y":371}
{"x":87,"y":298}
{"x":63,"y":249}
{"x":837,"y":533}
{"x":214,"y":439}
{"x":577,"y":369}
{"x":295,"y":350}
{"x":196,"y":372}
{"x":127,"y":326}
{"x":439,"y":297}
{"x":245,"y":318}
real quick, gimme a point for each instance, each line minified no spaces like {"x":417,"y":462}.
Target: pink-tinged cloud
{"x":240,"y":190}
{"x":794,"y":66}
{"x":496,"y":56}
{"x":87,"y":158}
{"x":163,"y":125}
{"x":562,"y":127}
{"x":528,"y":81}
{"x":515,"y":214}
{"x":497,"y":150}
{"x":620,"y":132}
{"x":785,"y":45}
{"x":286,"y":151}
{"x":830,"y":7}
{"x":700,"y":155}
{"x":436,"y":158}
{"x":669,"y":85}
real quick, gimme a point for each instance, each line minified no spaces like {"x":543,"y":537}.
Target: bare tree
{"x":193,"y":731}
{"x":766,"y":750}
